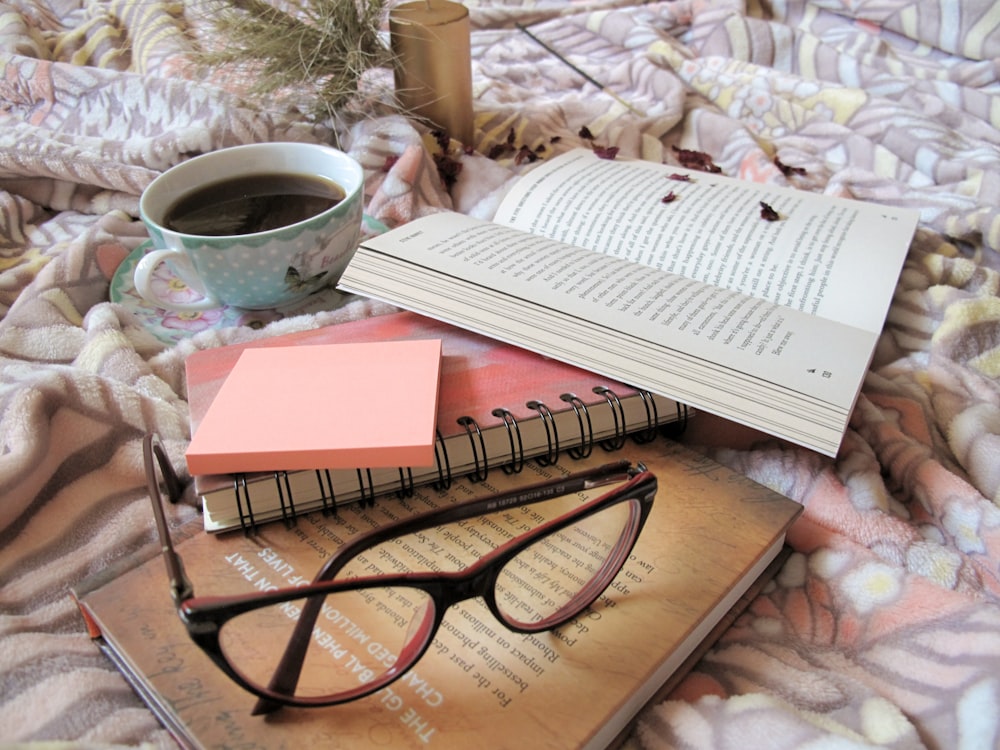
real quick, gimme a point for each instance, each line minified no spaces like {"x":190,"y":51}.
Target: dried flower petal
{"x":497,"y":150}
{"x":442,"y":139}
{"x":525,"y":154}
{"x":448,"y":169}
{"x":767,"y":213}
{"x":606,"y":152}
{"x":669,"y":197}
{"x":680,"y":177}
{"x":390,"y":162}
{"x":586,"y":134}
{"x":787,"y":170}
{"x":698,"y":160}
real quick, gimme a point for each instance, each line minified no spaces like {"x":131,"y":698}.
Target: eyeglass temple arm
{"x":180,"y":585}
{"x":286,"y":674}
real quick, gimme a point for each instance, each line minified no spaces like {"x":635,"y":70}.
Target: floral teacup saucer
{"x":170,"y":326}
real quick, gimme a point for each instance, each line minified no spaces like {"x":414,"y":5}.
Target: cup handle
{"x":143,"y":277}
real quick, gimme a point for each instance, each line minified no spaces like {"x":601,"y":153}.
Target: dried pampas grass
{"x":317,"y":49}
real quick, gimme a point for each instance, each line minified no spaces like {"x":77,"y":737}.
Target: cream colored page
{"x":837,"y":259}
{"x":577,"y":287}
{"x":742,"y":358}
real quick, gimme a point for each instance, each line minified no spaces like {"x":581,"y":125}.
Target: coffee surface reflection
{"x":251,"y":204}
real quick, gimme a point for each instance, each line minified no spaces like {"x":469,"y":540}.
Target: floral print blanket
{"x":883,"y":627}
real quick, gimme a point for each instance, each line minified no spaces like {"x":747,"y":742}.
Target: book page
{"x":838,"y":259}
{"x":742,"y":358}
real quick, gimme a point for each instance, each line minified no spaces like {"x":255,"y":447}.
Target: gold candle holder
{"x":433,"y":63}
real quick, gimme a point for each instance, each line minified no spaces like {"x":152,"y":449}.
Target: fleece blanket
{"x":882,"y":630}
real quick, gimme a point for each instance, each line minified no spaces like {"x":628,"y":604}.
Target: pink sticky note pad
{"x":325,"y":406}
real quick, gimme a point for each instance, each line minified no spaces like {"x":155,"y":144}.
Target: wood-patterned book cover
{"x":710,"y":535}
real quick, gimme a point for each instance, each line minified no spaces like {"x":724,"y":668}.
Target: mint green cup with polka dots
{"x":256,"y":226}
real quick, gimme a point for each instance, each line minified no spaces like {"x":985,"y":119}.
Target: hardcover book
{"x":499,"y":406}
{"x":709,"y":537}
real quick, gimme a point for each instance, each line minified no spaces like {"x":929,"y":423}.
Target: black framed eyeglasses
{"x":348,"y":638}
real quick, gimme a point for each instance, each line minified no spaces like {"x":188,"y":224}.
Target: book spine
{"x":478,"y":459}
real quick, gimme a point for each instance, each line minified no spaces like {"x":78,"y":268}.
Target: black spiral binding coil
{"x":242,"y":493}
{"x":405,"y":483}
{"x":586,"y":427}
{"x":326,"y":494}
{"x":477,"y":440}
{"x":652,"y":418}
{"x":367,"y":498}
{"x":443,"y":464}
{"x":480,"y":473}
{"x":617,"y":441}
{"x":516,"y":462}
{"x":284,"y":488}
{"x":551,"y":433}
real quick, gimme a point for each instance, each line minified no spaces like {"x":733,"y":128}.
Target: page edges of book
{"x":702,"y":392}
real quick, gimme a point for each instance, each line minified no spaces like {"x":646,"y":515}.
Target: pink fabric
{"x":882,"y":630}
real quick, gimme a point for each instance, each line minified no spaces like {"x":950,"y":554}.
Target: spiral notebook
{"x":498,"y":406}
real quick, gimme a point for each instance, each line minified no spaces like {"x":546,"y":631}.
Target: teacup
{"x":257,"y":251}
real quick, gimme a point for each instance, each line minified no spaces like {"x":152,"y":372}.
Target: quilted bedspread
{"x":883,"y":627}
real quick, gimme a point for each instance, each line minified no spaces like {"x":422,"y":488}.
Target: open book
{"x":710,"y":536}
{"x":682,"y":283}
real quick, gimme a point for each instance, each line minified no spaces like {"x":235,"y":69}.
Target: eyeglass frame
{"x":204,"y":617}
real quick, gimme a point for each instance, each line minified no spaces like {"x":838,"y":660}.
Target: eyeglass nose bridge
{"x":471,"y":583}
{"x":478,"y":581}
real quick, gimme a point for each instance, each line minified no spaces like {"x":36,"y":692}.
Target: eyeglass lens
{"x":363,"y":638}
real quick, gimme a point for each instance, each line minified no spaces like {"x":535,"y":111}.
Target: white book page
{"x":834,"y":258}
{"x":743,"y":358}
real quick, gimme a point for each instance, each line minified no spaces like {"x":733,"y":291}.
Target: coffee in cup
{"x":256,"y":226}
